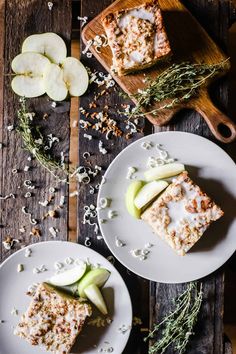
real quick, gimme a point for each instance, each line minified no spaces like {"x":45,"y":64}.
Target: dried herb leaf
{"x":34,"y":143}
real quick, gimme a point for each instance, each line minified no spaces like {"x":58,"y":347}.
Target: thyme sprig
{"x":176,"y":84}
{"x":177,"y":326}
{"x":30,"y":135}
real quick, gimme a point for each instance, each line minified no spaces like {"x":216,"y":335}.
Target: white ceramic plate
{"x":212,"y":169}
{"x":13,"y":287}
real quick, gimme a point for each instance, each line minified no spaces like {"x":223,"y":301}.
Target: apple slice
{"x":54,"y":84}
{"x":164,"y":171}
{"x":29,"y":68}
{"x":94,"y":294}
{"x":130,"y":195}
{"x":49,"y":44}
{"x":68,"y":277}
{"x":96,"y":276}
{"x":75,"y":76}
{"x":148,"y":192}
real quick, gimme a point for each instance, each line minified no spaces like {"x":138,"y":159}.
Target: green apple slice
{"x":148,"y":192}
{"x":94,"y":294}
{"x":96,"y":276}
{"x":68,"y":277}
{"x":54,"y":84}
{"x":49,"y":44}
{"x":130,"y":196}
{"x":75,"y":76}
{"x":164,"y":171}
{"x":29,"y":68}
{"x":28,"y":86}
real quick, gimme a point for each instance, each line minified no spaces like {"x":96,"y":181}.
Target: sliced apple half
{"x":49,"y":44}
{"x":148,"y":192}
{"x":75,"y":76}
{"x":54,"y":84}
{"x":130,"y":196}
{"x":94,"y":294}
{"x":68,"y":277}
{"x":96,"y":276}
{"x":29,"y":68}
{"x":164,"y":171}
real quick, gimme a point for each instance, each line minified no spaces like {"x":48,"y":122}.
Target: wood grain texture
{"x":138,"y":287}
{"x":182,"y":29}
{"x":2,"y":40}
{"x":208,"y":338}
{"x":73,"y":157}
{"x":23,"y":18}
{"x":209,"y":331}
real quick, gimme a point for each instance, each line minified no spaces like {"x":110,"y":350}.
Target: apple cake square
{"x":181,"y":214}
{"x":53,"y":320}
{"x":137,"y":37}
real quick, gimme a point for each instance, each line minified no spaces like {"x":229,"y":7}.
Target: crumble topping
{"x":137,"y":37}
{"x":182,"y":214}
{"x":52,"y":320}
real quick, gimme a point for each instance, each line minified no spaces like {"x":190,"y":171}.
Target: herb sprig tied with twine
{"x":30,"y":135}
{"x":177,"y":327}
{"x":176,"y":84}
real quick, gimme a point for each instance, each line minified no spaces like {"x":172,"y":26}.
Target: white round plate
{"x":13,"y":294}
{"x":211,"y":168}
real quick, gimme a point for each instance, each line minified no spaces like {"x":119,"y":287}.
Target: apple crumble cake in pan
{"x":53,"y":320}
{"x":182,"y":214}
{"x":137,"y":37}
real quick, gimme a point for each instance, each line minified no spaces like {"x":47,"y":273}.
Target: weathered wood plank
{"x":209,"y":330}
{"x":2,"y":40}
{"x":138,"y":287}
{"x":22,"y":19}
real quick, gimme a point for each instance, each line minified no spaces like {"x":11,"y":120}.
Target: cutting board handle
{"x":220,"y":125}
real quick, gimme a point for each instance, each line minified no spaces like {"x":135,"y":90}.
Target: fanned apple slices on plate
{"x":86,"y":281}
{"x":43,"y":67}
{"x":141,"y":193}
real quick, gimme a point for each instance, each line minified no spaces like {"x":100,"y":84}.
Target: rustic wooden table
{"x":19,"y":19}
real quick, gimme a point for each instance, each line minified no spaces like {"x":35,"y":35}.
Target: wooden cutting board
{"x":189,"y":42}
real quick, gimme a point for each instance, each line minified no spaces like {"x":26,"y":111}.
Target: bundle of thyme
{"x":176,"y":84}
{"x":30,"y":135}
{"x":177,"y":326}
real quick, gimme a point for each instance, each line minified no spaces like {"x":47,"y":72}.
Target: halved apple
{"x":130,"y":195}
{"x":148,"y":192}
{"x":94,"y":294}
{"x":49,"y":44}
{"x":164,"y":171}
{"x":75,"y":76}
{"x":29,"y":68}
{"x":96,"y":276}
{"x":68,"y":277}
{"x":54,"y":84}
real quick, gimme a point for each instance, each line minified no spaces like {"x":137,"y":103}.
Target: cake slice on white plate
{"x":53,"y":320}
{"x":181,"y":214}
